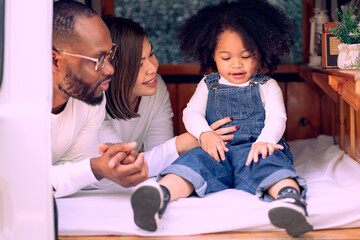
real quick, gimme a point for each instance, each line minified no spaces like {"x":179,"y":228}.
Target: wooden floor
{"x":353,"y":233}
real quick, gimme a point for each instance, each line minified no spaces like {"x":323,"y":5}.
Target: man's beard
{"x":77,"y":88}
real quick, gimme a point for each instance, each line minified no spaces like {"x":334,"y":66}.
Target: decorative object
{"x":348,"y":32}
{"x":349,"y":56}
{"x":320,"y":17}
{"x":330,"y":50}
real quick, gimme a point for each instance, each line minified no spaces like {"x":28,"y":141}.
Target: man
{"x":82,"y":51}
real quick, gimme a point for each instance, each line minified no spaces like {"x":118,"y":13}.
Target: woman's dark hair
{"x":262,"y":27}
{"x":130,"y":37}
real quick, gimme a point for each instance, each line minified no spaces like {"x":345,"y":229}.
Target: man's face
{"x":81,"y":80}
{"x":78,"y":88}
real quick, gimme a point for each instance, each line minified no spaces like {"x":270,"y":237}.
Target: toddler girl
{"x":239,"y":41}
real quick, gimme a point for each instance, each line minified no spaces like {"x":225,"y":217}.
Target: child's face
{"x":235,"y":63}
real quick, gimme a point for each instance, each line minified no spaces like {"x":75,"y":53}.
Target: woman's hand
{"x":261,"y":148}
{"x":185,"y":141}
{"x":223,"y":133}
{"x":213,"y":145}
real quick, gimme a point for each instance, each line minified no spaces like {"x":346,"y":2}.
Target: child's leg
{"x":288,"y":182}
{"x":177,"y":186}
{"x":149,"y":199}
{"x":289,"y":209}
{"x":202,"y":173}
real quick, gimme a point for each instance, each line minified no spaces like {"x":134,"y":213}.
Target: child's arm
{"x":194,"y":113}
{"x":275,"y":113}
{"x":274,"y":125}
{"x":196,"y":124}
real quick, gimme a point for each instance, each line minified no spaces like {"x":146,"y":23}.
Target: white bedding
{"x":333,"y":201}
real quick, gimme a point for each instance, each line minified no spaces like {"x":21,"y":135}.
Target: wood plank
{"x":349,"y":233}
{"x":107,"y":7}
{"x":357,"y":136}
{"x":352,"y":133}
{"x":185,"y":92}
{"x":303,"y":111}
{"x":327,"y":109}
{"x":172,"y":89}
{"x":308,"y":6}
{"x":345,"y":87}
{"x":342,"y":114}
{"x":179,"y":69}
{"x":194,"y":68}
{"x":321,"y":79}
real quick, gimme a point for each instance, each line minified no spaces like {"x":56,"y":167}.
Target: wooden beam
{"x":308,"y":6}
{"x":107,"y":7}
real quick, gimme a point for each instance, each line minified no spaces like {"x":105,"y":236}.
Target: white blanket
{"x":333,"y":201}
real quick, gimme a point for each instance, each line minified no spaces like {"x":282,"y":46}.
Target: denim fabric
{"x":207,"y":175}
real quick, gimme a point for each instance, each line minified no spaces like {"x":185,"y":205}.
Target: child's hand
{"x":261,"y":148}
{"x":213,"y":145}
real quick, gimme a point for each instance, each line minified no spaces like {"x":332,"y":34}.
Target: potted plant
{"x":348,"y":32}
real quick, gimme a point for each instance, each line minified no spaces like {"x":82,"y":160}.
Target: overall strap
{"x":258,"y":78}
{"x":212,"y":80}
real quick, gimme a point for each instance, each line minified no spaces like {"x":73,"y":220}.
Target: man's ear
{"x":57,"y":61}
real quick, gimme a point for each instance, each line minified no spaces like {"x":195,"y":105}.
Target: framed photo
{"x":330,"y":50}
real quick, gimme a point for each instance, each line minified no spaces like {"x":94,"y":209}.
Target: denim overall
{"x":207,"y":175}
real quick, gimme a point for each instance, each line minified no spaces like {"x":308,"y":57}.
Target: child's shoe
{"x":147,"y":200}
{"x":290,"y":213}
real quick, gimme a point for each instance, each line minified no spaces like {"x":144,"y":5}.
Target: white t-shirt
{"x":153,"y":130}
{"x":272,"y":100}
{"x":74,"y":143}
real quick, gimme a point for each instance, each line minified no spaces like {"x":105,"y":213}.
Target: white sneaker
{"x":147,"y":199}
{"x":290,"y":214}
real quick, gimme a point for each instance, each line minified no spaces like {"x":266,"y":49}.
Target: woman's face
{"x":146,"y":81}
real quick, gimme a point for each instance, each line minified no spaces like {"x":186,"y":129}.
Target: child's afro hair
{"x":261,"y":25}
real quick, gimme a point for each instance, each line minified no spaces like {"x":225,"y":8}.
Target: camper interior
{"x":323,"y":131}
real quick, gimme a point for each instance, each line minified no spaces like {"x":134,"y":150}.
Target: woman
{"x":138,"y":105}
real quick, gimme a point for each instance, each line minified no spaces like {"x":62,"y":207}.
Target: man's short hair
{"x":64,"y":17}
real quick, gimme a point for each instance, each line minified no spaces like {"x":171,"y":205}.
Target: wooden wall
{"x":303,"y":105}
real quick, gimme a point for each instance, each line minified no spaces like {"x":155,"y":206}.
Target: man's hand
{"x":120,"y":163}
{"x":261,"y":148}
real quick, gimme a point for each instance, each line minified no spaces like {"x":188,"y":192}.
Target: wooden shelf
{"x":194,"y":69}
{"x":343,"y":87}
{"x":345,"y":83}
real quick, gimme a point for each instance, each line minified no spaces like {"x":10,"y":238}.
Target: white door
{"x":26,"y":207}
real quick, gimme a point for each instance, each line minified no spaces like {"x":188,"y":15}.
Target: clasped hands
{"x":120,"y":163}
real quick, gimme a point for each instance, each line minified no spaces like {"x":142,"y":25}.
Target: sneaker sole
{"x":146,"y":201}
{"x":293,"y":221}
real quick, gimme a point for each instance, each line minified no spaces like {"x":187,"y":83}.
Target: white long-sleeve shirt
{"x":74,"y":143}
{"x":271,"y":98}
{"x":153,"y":130}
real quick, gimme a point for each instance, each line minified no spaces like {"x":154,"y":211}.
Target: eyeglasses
{"x":100,"y":62}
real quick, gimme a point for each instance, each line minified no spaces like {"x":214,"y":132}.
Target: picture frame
{"x":330,"y":50}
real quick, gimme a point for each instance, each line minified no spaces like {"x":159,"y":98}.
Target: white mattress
{"x":333,"y":201}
